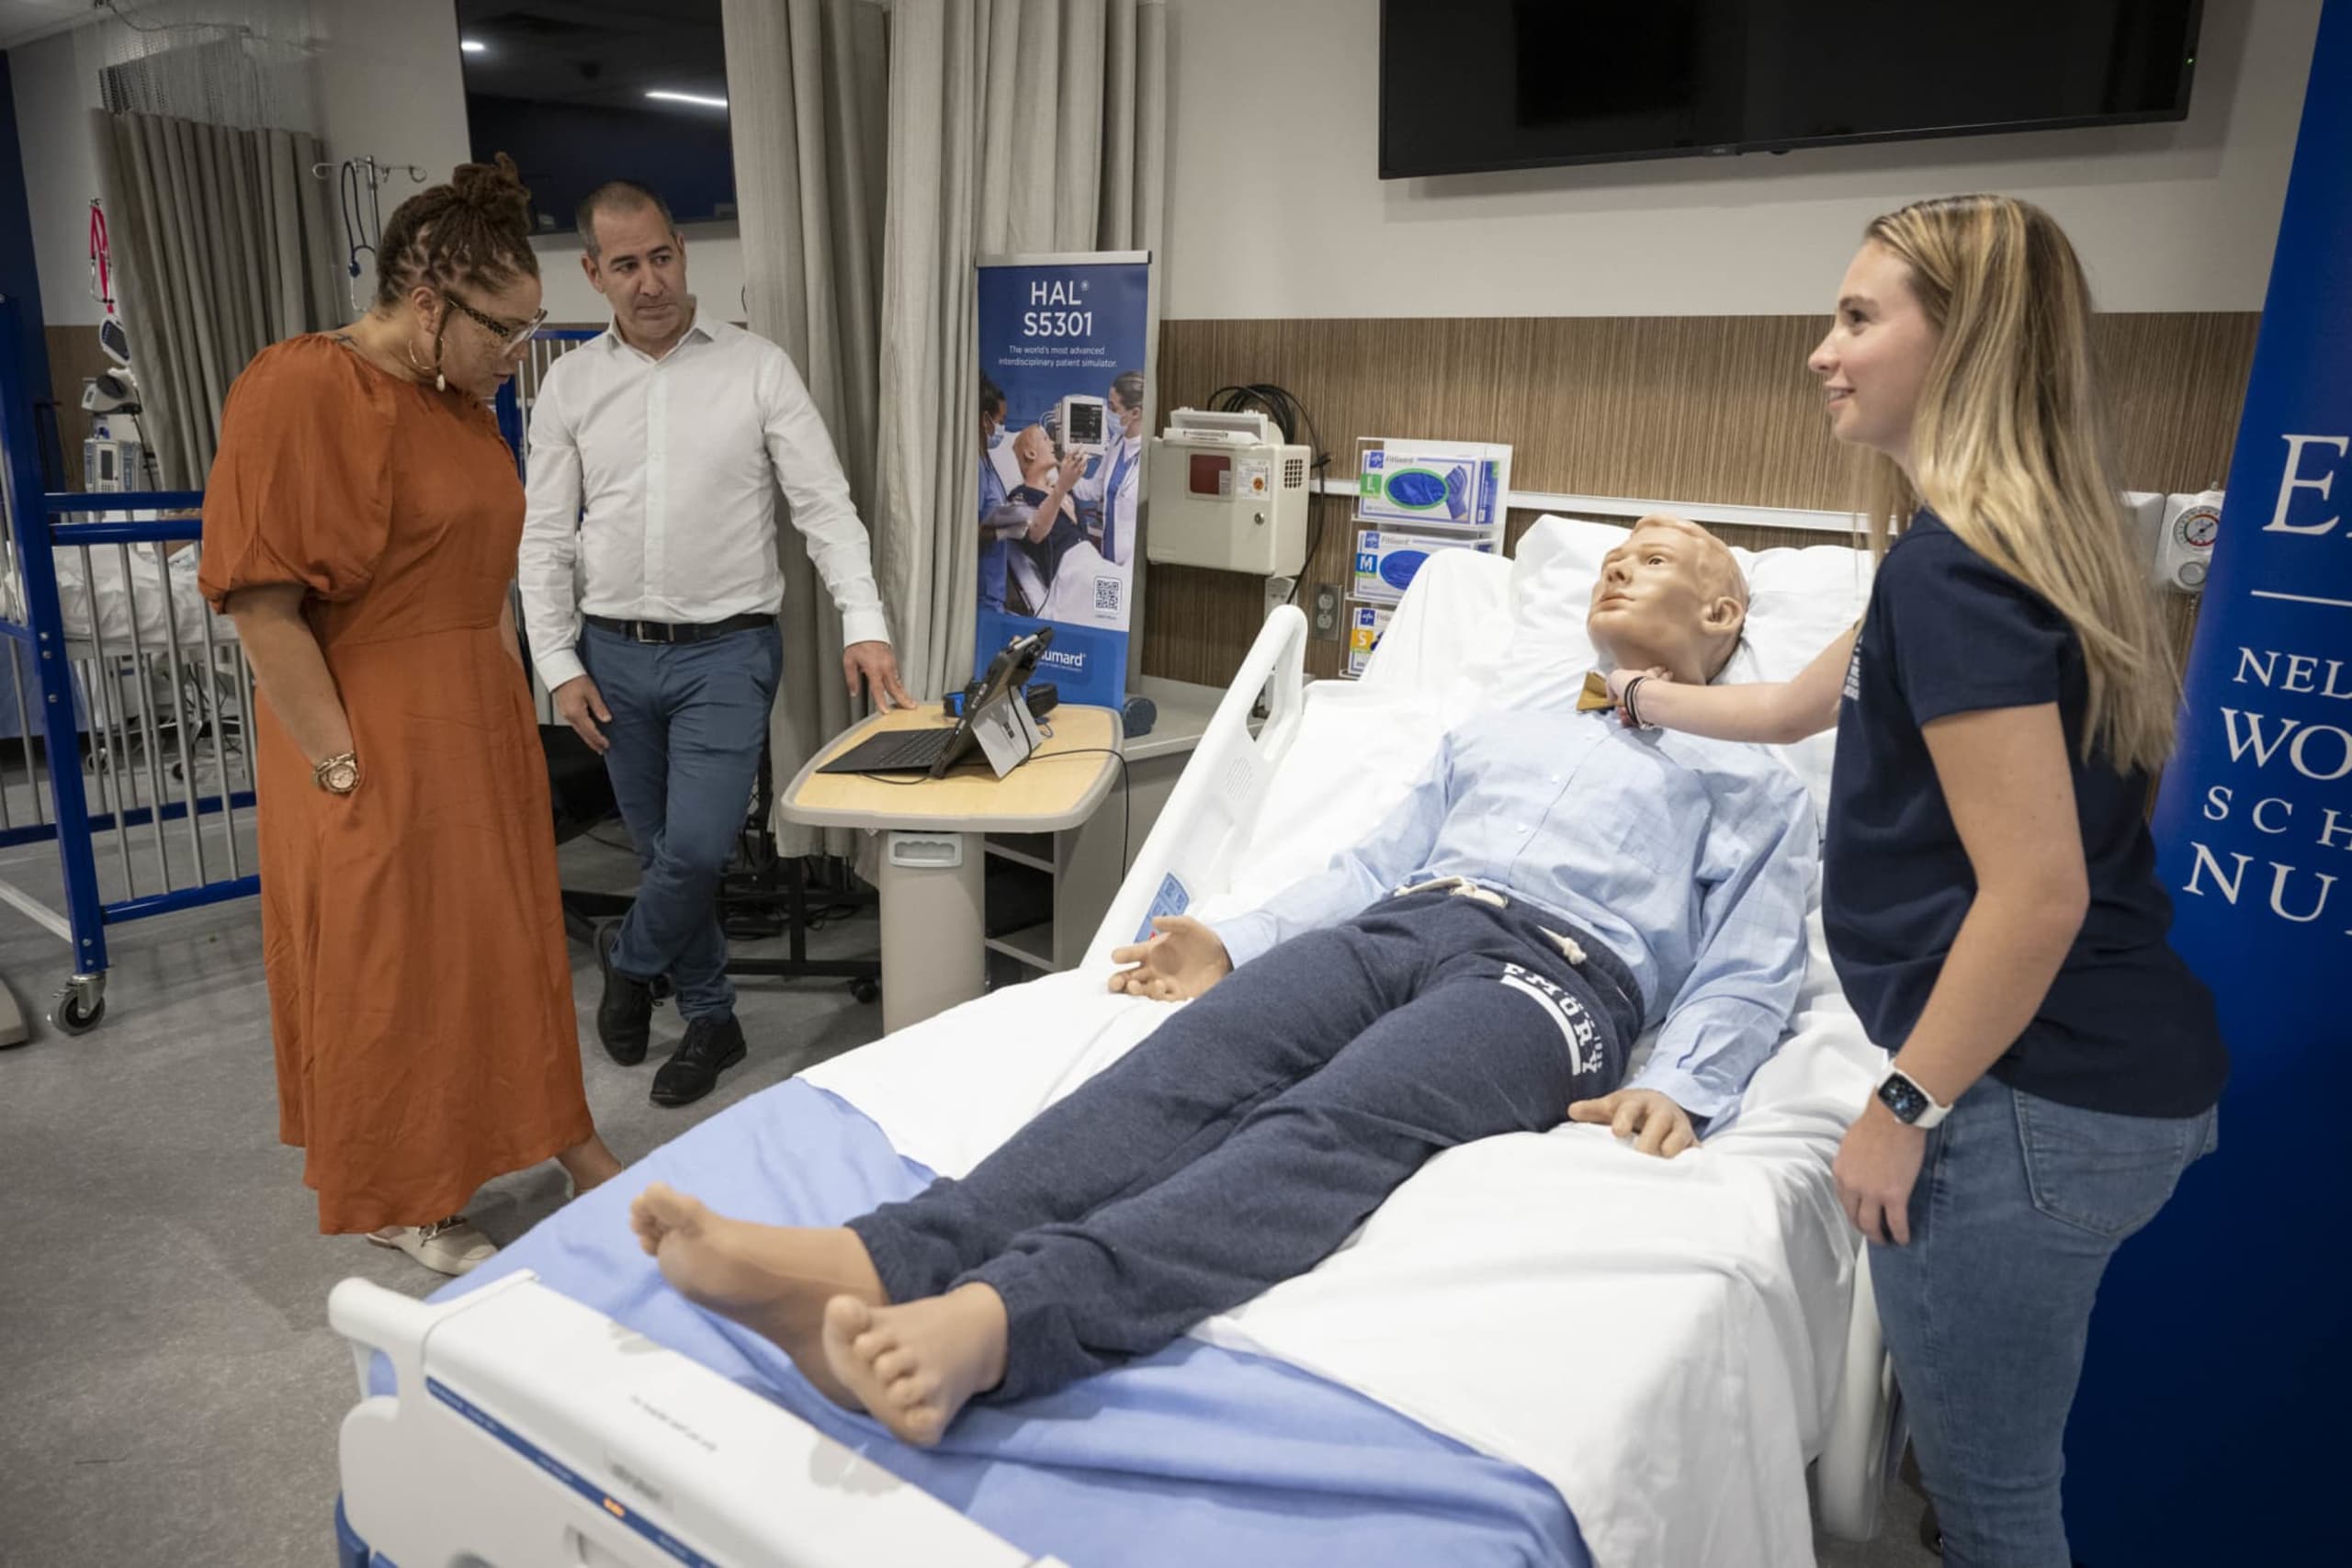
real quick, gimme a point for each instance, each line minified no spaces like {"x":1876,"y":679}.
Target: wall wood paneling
{"x":1713,"y":409}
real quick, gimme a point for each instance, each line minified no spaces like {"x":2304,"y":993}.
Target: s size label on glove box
{"x":1365,"y":623}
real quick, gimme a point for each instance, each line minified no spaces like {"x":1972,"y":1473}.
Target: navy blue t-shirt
{"x":2126,"y":1027}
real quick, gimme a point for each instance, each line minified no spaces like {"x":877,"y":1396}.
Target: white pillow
{"x":1476,"y":633}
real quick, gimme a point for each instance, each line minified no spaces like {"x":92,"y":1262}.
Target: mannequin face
{"x":1668,"y":596}
{"x":1034,"y":450}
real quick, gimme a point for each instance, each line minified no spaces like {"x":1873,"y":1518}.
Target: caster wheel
{"x":72,"y":1016}
{"x":865,"y":990}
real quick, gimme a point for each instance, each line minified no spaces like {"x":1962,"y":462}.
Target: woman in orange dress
{"x":360,"y":527}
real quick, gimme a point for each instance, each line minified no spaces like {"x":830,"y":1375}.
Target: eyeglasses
{"x":510,"y":336}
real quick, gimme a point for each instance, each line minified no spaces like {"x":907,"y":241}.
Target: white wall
{"x":1276,"y":207}
{"x":391,"y":86}
{"x":53,"y":108}
{"x":393,"y":91}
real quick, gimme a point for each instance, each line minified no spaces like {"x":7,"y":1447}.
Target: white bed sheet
{"x":101,"y":601}
{"x":1661,"y":1340}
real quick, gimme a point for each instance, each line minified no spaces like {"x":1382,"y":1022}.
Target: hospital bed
{"x":1542,"y":1349}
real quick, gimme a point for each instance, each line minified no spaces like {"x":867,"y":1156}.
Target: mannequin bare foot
{"x":589,"y":1163}
{"x":773,"y":1280}
{"x":914,"y":1367}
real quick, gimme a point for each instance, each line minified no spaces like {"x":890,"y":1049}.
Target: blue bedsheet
{"x":1196,"y":1455}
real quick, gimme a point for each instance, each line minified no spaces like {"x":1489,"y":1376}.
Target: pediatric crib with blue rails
{"x":126,"y":698}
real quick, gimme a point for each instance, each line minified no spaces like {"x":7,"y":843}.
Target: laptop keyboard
{"x":915,"y":749}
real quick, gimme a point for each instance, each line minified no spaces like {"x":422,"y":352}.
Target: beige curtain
{"x":222,"y":244}
{"x":808,"y":88}
{"x":879,"y":150}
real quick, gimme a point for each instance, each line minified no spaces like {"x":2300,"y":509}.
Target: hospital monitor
{"x":1085,"y":424}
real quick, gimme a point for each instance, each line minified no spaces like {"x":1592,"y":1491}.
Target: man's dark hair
{"x":1128,"y":384}
{"x":618,"y":195}
{"x":991,"y":397}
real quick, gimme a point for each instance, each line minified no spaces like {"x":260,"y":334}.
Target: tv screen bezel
{"x":1390,"y":171}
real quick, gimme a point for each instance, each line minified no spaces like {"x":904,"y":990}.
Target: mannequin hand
{"x":1655,"y":1123}
{"x":1182,"y":958}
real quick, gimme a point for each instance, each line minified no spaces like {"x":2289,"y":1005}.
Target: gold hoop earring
{"x":440,"y":380}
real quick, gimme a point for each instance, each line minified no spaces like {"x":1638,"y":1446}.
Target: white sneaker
{"x":447,"y":1247}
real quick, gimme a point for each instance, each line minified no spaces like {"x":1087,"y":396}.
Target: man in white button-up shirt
{"x":651,"y":586}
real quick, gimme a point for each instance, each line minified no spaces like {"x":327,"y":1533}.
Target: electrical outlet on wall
{"x":1278,"y":591}
{"x":1324,"y":622}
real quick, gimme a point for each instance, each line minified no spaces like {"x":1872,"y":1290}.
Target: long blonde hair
{"x":2009,"y":448}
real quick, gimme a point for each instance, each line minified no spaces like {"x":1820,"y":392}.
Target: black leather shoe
{"x":711,"y":1046}
{"x":625,"y":1012}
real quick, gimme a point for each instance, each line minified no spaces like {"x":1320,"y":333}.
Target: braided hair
{"x":476,"y":229}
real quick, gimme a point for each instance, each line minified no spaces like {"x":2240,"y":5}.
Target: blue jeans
{"x":2020,"y":1203}
{"x":688,"y":722}
{"x":1251,"y":1133}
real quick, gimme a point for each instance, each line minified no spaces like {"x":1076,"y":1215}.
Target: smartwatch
{"x":1913,"y":1106}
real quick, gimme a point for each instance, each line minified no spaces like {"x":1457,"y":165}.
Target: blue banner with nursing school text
{"x":2209,"y":1424}
{"x":1062,"y":426}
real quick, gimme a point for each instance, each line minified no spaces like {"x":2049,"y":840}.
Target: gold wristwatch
{"x":339,"y":774}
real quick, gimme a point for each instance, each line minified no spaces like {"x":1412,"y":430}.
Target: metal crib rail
{"x":139,"y":740}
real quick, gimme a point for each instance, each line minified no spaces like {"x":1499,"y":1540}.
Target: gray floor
{"x":169,"y":1388}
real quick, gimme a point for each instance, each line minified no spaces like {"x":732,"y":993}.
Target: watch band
{"x":1912,"y":1106}
{"x":338,"y":775}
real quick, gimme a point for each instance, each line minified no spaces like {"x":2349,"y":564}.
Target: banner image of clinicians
{"x":1062,"y":407}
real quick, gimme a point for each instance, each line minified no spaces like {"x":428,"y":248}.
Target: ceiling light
{"x":688,"y":99}
{"x":472,"y":45}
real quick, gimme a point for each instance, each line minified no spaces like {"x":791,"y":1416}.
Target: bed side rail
{"x":1189,"y":853}
{"x":529,"y":1428}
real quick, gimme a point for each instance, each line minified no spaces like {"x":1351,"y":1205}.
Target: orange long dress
{"x":412,"y":931}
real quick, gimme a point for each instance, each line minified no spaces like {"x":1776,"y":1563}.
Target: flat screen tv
{"x":584,"y":91}
{"x":1468,"y":85}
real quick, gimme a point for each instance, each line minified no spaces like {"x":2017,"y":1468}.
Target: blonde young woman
{"x":1990,"y":894}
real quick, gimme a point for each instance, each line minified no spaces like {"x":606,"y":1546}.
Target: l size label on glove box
{"x":1431,"y":484}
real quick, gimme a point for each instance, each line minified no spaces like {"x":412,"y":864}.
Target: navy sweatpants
{"x":1254,"y":1131}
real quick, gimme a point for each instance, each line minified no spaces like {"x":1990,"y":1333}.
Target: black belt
{"x":670,"y":631}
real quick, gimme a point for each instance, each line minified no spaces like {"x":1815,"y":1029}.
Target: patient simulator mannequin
{"x":1480,"y":963}
{"x":1046,"y":497}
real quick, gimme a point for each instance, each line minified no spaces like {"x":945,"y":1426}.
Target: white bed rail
{"x":528,"y":1430}
{"x":1191,"y":848}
